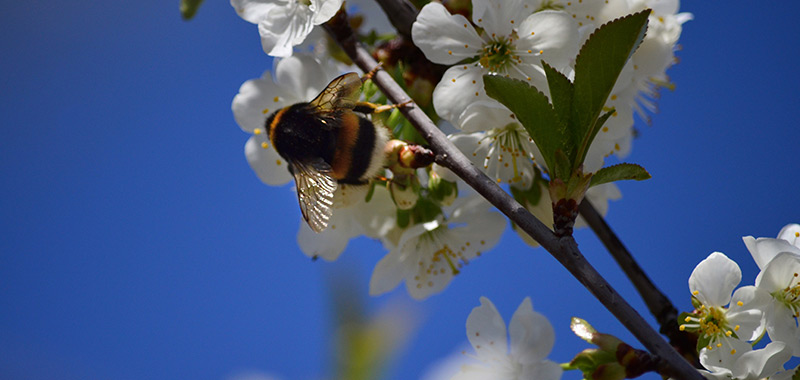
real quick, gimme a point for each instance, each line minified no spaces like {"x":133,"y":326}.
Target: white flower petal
{"x":301,"y":75}
{"x":498,"y":17}
{"x":254,"y":10}
{"x":460,"y":86}
{"x":284,"y":27}
{"x":532,"y":335}
{"x":714,"y":279}
{"x":324,"y":9}
{"x":486,"y":331}
{"x":444,"y":38}
{"x":782,"y":327}
{"x":551,"y":32}
{"x":722,"y":360}
{"x":387,"y":274}
{"x":266,"y":163}
{"x":791,"y":233}
{"x":748,"y":316}
{"x":764,"y":250}
{"x":328,"y":244}
{"x":759,"y":364}
{"x":256,"y":100}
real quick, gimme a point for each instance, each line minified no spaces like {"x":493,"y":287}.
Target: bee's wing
{"x":342,"y":92}
{"x":315,"y":187}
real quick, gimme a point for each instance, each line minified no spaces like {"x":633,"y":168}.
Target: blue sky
{"x":135,"y":242}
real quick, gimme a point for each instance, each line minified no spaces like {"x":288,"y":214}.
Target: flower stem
{"x":564,"y":248}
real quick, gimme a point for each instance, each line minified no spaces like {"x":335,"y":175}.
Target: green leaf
{"x":599,"y":63}
{"x":189,"y":8}
{"x":561,"y":91}
{"x":619,"y":172}
{"x":532,"y":109}
{"x":796,"y":375}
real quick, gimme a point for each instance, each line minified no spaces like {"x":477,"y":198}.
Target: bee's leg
{"x":369,"y":108}
{"x":371,"y":73}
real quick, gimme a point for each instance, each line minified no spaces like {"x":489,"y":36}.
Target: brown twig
{"x":564,"y":249}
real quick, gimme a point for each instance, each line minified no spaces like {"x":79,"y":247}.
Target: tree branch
{"x":401,"y":14}
{"x":564,"y":249}
{"x":659,"y":305}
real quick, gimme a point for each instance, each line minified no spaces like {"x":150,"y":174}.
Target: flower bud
{"x":442,"y":190}
{"x":405,"y":195}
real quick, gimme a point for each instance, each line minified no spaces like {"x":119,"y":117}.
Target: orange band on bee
{"x":275,"y":122}
{"x":345,"y":143}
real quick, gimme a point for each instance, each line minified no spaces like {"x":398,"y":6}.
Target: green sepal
{"x":619,"y":172}
{"x":189,"y":8}
{"x":600,"y":62}
{"x":533,"y":111}
{"x":403,"y":218}
{"x":796,"y":375}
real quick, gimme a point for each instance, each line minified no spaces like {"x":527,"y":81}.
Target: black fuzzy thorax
{"x":303,"y":135}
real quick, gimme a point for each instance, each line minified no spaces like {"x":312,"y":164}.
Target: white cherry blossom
{"x":525,"y":357}
{"x":711,"y":283}
{"x":427,"y":256}
{"x":513,"y":42}
{"x":284,"y":24}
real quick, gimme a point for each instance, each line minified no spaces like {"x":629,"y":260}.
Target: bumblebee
{"x":327,"y":142}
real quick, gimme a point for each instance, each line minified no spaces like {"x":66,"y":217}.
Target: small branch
{"x":564,"y":249}
{"x":401,"y":14}
{"x":659,"y":305}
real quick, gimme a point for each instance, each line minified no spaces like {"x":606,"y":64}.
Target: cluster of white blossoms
{"x":728,"y":322}
{"x":513,"y":38}
{"x":428,"y":232}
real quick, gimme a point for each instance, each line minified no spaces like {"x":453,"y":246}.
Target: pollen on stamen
{"x":466,"y":46}
{"x":257,"y":131}
{"x":473,"y":81}
{"x":736,"y":328}
{"x":512,"y":21}
{"x":532,"y":33}
{"x":476,"y":93}
{"x":728,"y":333}
{"x":541,"y":51}
{"x":613,"y":97}
{"x":709,"y":347}
{"x":450,"y":52}
{"x":265,"y":111}
{"x":264,"y":145}
{"x":733,"y":352}
{"x":797,"y":234}
{"x":696,"y":292}
{"x":682,"y":327}
{"x":276,"y":99}
{"x":719,"y":345}
{"x":278,"y":162}
{"x":454,"y":80}
{"x":465,"y":25}
{"x":739,"y":303}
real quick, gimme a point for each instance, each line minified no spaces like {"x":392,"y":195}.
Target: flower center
{"x":711,"y":325}
{"x":790,"y":296}
{"x":497,"y":54}
{"x":507,"y":146}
